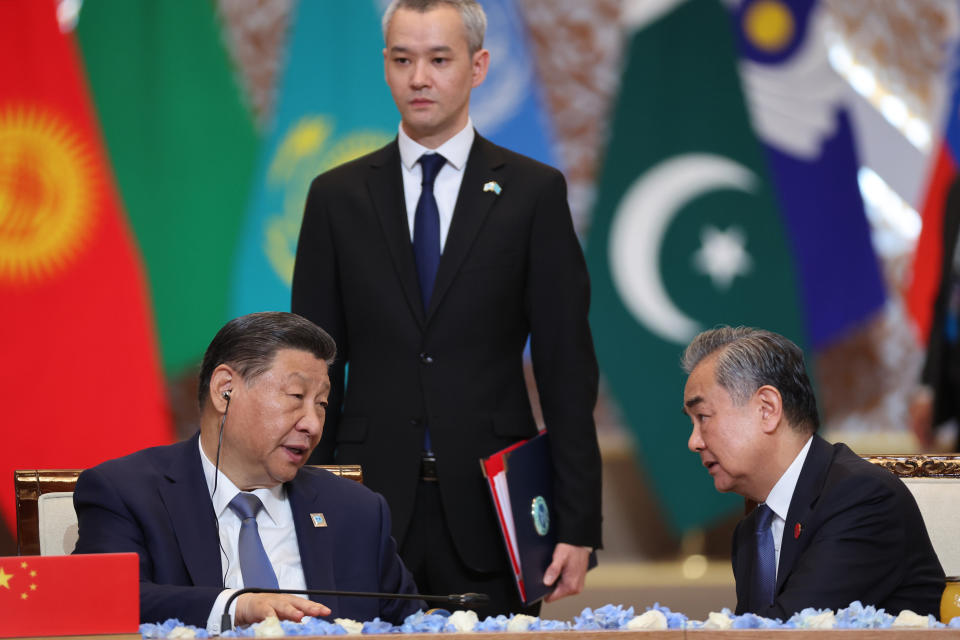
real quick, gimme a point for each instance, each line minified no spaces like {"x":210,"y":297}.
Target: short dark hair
{"x":249,"y":343}
{"x":471,"y":13}
{"x":749,"y":358}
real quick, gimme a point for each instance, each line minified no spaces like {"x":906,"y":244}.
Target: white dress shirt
{"x":456,"y":150}
{"x":275,"y":524}
{"x":780,"y":496}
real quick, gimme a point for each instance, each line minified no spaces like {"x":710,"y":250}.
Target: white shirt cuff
{"x":216,"y":613}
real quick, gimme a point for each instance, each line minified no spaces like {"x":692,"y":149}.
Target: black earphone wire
{"x":216,"y":477}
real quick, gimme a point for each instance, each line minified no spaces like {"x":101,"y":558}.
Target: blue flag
{"x":795,"y":105}
{"x":508,"y":107}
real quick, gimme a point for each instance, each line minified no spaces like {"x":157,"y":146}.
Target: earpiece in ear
{"x":226,"y":396}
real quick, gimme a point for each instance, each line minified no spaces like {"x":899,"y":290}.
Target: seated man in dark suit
{"x":233,"y":505}
{"x":830,"y":528}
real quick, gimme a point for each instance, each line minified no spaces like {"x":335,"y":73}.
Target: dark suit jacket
{"x":511,"y":267}
{"x":861,"y":538}
{"x":156,"y":502}
{"x":941,"y":371}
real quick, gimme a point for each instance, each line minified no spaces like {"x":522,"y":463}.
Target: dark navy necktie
{"x":765,"y":562}
{"x":255,"y":566}
{"x":426,"y":227}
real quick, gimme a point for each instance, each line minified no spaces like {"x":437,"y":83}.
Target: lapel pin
{"x":796,"y":530}
{"x":493,"y":185}
{"x":318,"y":520}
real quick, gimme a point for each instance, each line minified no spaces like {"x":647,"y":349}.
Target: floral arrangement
{"x":610,"y":617}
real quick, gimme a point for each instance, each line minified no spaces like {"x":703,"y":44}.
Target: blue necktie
{"x":255,"y":566}
{"x":426,"y":227}
{"x":765,"y":563}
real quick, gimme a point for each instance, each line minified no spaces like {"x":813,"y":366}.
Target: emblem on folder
{"x":493,"y":185}
{"x":541,"y":515}
{"x":318,"y":520}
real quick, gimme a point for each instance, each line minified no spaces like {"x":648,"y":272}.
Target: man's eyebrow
{"x":690,"y":403}
{"x":440,"y":48}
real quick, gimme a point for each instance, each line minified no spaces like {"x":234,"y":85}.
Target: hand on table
{"x":254,"y":607}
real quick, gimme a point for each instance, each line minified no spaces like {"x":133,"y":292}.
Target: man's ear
{"x":222,"y":383}
{"x":481,"y":62}
{"x":770,"y":406}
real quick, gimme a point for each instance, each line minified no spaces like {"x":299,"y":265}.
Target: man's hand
{"x":570,"y":565}
{"x":254,"y":607}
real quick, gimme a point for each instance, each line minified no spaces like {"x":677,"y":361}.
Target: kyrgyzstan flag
{"x":80,"y":381}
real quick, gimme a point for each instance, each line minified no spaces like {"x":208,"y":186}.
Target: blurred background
{"x":775,"y":163}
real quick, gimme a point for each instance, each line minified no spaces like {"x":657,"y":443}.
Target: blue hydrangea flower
{"x":376,"y":626}
{"x":753,"y":621}
{"x":421,"y":622}
{"x":674,"y":620}
{"x":498,"y":624}
{"x":606,"y":617}
{"x":857,"y":616}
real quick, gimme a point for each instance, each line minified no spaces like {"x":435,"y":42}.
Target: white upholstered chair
{"x":934,"y":481}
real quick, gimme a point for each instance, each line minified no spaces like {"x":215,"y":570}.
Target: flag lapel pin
{"x":493,"y":185}
{"x":796,"y":530}
{"x":318,"y":520}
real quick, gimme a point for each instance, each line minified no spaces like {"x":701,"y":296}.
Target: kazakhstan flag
{"x":333,"y":106}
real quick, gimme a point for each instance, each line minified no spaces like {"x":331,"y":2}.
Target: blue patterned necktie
{"x":255,"y":566}
{"x":426,"y":227}
{"x":765,"y":562}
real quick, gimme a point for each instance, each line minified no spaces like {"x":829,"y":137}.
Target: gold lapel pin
{"x":494,"y":186}
{"x":318,"y":520}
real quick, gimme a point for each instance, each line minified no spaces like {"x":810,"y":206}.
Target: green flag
{"x":686,"y":235}
{"x":183,"y":144}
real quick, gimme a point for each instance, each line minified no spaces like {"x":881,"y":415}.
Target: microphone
{"x":464,"y":599}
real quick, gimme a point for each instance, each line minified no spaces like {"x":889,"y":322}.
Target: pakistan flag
{"x":686,"y":235}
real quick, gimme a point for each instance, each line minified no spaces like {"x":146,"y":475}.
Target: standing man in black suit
{"x":830,"y":527}
{"x":430,"y":261}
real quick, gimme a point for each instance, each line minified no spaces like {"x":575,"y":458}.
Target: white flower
{"x":825,"y":620}
{"x":270,"y":627}
{"x":352,"y":627}
{"x":718,"y":620}
{"x":909,"y":619}
{"x":464,"y":621}
{"x":520,"y":622}
{"x":652,"y":619}
{"x":182,"y":633}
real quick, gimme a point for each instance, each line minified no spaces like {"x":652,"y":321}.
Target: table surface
{"x":731,"y":634}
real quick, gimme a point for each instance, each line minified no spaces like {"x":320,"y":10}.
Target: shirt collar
{"x":455,"y":150}
{"x":272,"y":498}
{"x":779,"y":498}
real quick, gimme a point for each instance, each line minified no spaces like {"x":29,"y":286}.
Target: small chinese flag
{"x":69,"y":595}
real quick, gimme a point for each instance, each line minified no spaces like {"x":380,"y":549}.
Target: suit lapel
{"x":193,"y":520}
{"x":805,"y":496}
{"x":385,"y":185}
{"x":473,"y":205}
{"x":315,"y":543}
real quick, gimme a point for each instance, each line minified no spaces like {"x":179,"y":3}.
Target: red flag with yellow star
{"x":69,"y":595}
{"x":80,"y":380}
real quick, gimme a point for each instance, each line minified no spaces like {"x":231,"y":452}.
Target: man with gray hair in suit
{"x":830,"y":527}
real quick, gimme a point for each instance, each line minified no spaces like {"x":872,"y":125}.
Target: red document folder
{"x":520,"y":479}
{"x":69,"y":595}
{"x":494,"y":470}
